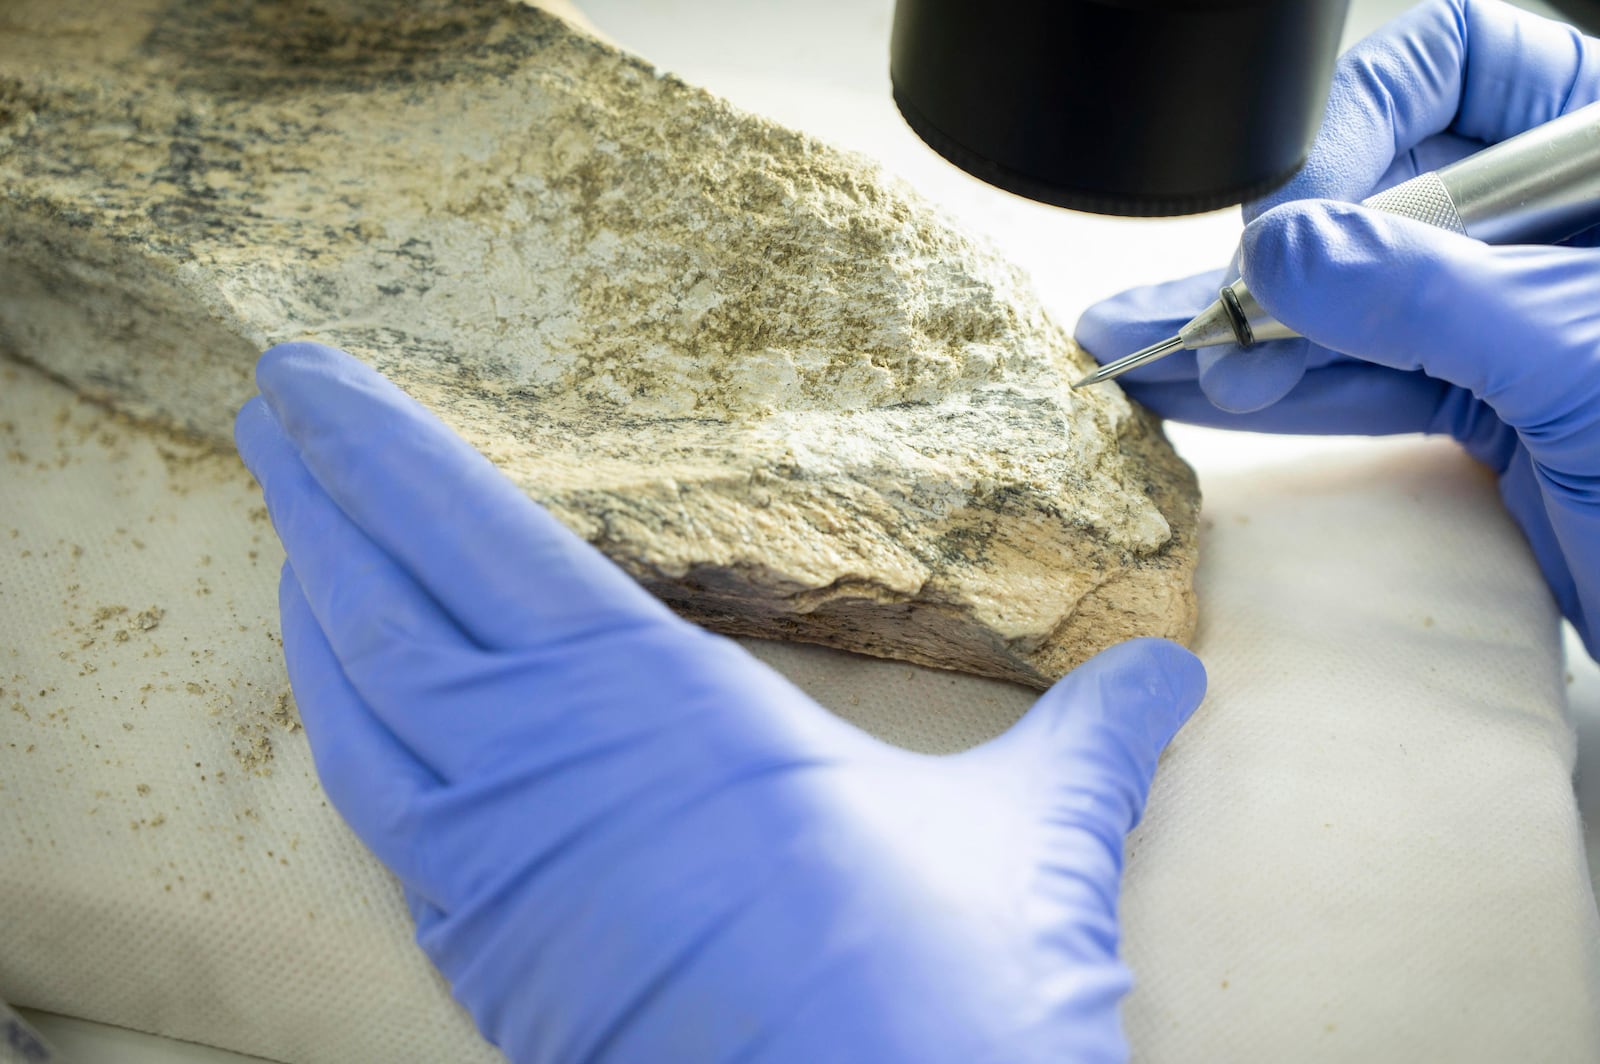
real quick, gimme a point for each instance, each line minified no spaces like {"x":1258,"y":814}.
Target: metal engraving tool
{"x":1540,"y":186}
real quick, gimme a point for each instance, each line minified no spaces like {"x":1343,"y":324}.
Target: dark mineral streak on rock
{"x":773,"y":384}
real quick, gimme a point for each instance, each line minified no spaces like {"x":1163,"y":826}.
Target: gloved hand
{"x":622,"y":837}
{"x":1409,"y":328}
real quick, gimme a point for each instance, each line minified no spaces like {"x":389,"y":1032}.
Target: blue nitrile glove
{"x":622,"y":837}
{"x":1410,"y":328}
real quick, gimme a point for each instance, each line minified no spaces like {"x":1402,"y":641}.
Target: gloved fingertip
{"x":1185,"y":674}
{"x":255,"y":430}
{"x":331,"y":403}
{"x":281,"y":362}
{"x":1095,"y":331}
{"x":1104,"y":329}
{"x":308,"y":385}
{"x":1122,"y":706}
{"x":1272,"y":245}
{"x":1242,"y":380}
{"x":1156,"y":680}
{"x":1291,"y":254}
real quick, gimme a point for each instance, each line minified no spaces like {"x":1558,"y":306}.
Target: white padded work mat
{"x":1364,"y":847}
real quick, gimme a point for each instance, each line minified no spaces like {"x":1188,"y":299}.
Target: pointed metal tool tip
{"x":1118,"y":367}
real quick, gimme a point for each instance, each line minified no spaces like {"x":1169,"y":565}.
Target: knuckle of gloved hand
{"x":1432,"y":290}
{"x":1271,"y":250}
{"x":1569,"y":422}
{"x":1314,"y":256}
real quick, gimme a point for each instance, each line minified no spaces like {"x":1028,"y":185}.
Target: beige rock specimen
{"x":774,"y":385}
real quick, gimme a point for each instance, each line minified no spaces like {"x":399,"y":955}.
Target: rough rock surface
{"x":774,"y":385}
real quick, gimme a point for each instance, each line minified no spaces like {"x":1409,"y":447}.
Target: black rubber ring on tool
{"x":1236,"y":318}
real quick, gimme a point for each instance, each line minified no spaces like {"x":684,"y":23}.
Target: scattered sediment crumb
{"x":253,"y":724}
{"x":284,"y":713}
{"x":252,"y":748}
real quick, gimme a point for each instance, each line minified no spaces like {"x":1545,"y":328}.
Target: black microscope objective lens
{"x":1132,"y":107}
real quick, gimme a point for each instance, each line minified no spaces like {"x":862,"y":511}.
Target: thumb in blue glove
{"x":1511,"y":335}
{"x":625,"y":839}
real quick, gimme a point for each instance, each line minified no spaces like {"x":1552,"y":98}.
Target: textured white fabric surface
{"x":158,"y":870}
{"x":1364,"y":847}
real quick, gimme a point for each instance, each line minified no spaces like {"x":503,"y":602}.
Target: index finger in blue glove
{"x":1480,"y":68}
{"x":439,"y":508}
